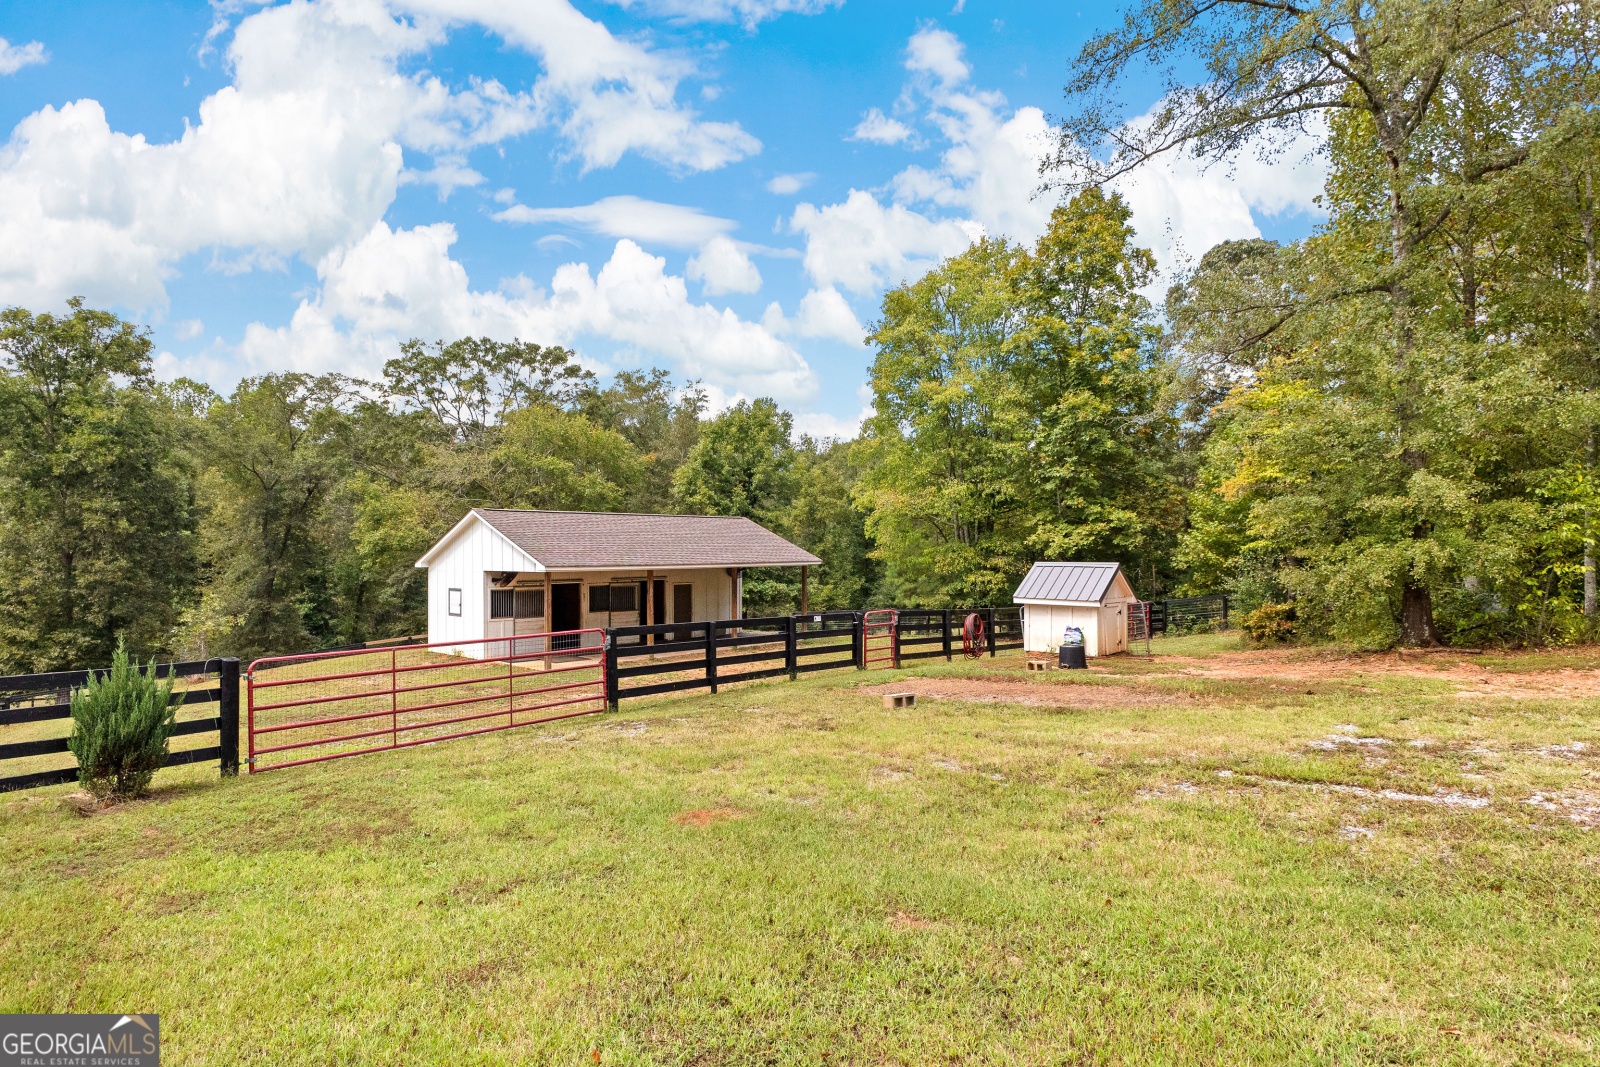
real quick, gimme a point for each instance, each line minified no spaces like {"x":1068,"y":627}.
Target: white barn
{"x":1094,"y":597}
{"x":501,"y":573}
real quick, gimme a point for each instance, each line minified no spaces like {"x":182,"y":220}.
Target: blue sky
{"x":720,"y":187}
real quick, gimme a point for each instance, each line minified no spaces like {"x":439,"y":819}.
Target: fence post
{"x":988,"y":630}
{"x":858,"y":641}
{"x":613,"y":693}
{"x":228,"y":714}
{"x":944,"y":618}
{"x":791,"y":647}
{"x":711,"y":655}
{"x":1224,"y":613}
{"x":894,"y":639}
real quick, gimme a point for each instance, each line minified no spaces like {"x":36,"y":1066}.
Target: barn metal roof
{"x":592,"y":540}
{"x":1067,"y":583}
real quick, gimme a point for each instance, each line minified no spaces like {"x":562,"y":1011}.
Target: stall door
{"x":683,"y":608}
{"x":566,"y":613}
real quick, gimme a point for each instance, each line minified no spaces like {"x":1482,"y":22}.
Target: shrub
{"x":1271,"y":623}
{"x":121,"y":722}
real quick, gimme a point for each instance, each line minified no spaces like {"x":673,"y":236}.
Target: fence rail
{"x":324,"y":705}
{"x":1188,"y":613}
{"x":708,"y":655}
{"x":328,"y":705}
{"x":32,"y":706}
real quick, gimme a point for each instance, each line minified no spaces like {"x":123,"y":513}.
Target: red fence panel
{"x":327,"y":705}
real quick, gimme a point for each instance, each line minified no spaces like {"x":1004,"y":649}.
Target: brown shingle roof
{"x":576,"y":540}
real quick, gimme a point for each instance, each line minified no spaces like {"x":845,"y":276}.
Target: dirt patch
{"x":1580,"y":808}
{"x":706,"y":816}
{"x":1472,"y":678}
{"x":905,"y":920}
{"x":1000,"y":691}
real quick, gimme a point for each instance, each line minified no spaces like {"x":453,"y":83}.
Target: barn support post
{"x":805,"y":589}
{"x":228,"y":716}
{"x":791,"y":647}
{"x":944,"y":624}
{"x":711,"y":655}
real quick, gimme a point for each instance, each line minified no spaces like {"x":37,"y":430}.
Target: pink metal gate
{"x":327,"y":705}
{"x":879,"y":638}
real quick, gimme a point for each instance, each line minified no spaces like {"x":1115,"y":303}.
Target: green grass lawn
{"x":1146,"y":865}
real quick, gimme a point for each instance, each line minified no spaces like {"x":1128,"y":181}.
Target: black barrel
{"x":1073,"y":658}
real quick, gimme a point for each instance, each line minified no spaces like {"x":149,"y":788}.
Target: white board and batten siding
{"x":1094,"y":597}
{"x":471,"y":552}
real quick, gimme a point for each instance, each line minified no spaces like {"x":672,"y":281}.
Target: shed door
{"x":1113,"y":629}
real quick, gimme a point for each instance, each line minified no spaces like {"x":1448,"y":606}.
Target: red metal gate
{"x":326,"y":705}
{"x":879,"y":638}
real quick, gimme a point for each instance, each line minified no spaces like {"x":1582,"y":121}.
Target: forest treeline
{"x":1385,"y":432}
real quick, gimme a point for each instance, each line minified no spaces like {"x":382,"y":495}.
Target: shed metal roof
{"x":1067,"y":583}
{"x":593,"y":540}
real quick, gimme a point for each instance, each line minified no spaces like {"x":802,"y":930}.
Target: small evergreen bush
{"x":1272,"y":622}
{"x":121,"y":722}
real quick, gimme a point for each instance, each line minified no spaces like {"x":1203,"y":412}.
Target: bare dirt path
{"x":1125,"y":680}
{"x":1471,"y":676}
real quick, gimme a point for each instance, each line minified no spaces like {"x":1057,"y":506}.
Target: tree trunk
{"x":1417,"y":629}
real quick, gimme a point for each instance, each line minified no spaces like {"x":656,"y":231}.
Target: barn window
{"x":516,"y":603}
{"x":453,"y":601}
{"x":530,"y":604}
{"x":609,"y":598}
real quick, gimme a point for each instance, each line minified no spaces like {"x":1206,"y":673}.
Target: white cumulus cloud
{"x":939,"y":53}
{"x":628,"y":216}
{"x":987,"y":180}
{"x":395,"y":284}
{"x":303,"y":151}
{"x":789,"y":184}
{"x":722,"y":267}
{"x":747,"y":12}
{"x":13,"y":57}
{"x":864,"y":245}
{"x":822,"y":313}
{"x":879,"y":128}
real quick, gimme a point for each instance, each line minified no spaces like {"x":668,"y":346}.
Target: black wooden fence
{"x":705,"y":655}
{"x":1189,"y":613}
{"x":28,"y":700}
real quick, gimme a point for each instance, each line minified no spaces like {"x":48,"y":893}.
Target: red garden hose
{"x":973,"y":643}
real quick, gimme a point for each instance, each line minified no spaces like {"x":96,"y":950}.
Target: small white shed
{"x":1094,"y":597}
{"x":502,"y":573}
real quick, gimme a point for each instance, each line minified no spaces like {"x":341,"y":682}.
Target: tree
{"x":275,"y":458}
{"x":743,"y":464}
{"x":471,"y":384}
{"x":1020,"y":414}
{"x":1396,"y":82}
{"x":95,"y":502}
{"x":549,"y":458}
{"x":824,"y":520}
{"x":661,"y":422}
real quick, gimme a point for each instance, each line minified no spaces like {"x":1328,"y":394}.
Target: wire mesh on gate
{"x":321,"y":706}
{"x":1139,"y":628}
{"x":878,"y":631}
